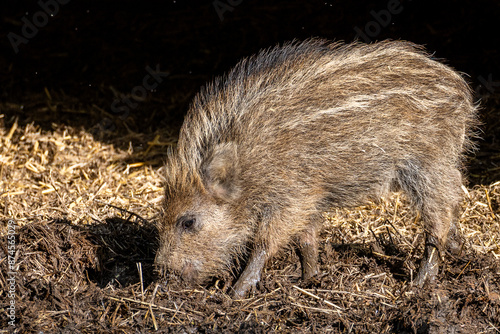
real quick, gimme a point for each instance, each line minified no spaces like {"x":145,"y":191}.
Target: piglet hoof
{"x":455,"y":242}
{"x":429,"y":268}
{"x":311,"y":283}
{"x":242,"y":286}
{"x":455,"y":246}
{"x":309,"y":270}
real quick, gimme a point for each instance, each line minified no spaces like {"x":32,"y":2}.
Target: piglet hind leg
{"x":440,"y":216}
{"x":429,"y":267}
{"x":435,"y":192}
{"x":441,"y":234}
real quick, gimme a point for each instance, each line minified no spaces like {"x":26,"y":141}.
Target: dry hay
{"x":85,"y":212}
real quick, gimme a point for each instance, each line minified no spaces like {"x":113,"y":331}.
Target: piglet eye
{"x":187,"y":223}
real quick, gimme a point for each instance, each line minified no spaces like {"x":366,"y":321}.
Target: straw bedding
{"x":85,"y":214}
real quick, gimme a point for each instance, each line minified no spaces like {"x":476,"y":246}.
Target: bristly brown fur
{"x":302,"y":127}
{"x":180,"y":178}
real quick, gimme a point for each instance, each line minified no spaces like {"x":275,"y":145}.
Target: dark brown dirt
{"x":85,"y":279}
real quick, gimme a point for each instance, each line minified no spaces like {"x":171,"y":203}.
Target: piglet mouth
{"x":189,"y":273}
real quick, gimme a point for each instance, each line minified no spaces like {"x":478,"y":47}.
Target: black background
{"x":93,"y":52}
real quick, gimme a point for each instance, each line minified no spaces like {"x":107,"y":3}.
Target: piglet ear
{"x":221,"y":172}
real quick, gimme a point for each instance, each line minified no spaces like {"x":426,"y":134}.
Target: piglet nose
{"x":189,"y":273}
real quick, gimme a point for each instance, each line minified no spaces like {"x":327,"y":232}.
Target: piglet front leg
{"x":308,"y":252}
{"x":251,"y":275}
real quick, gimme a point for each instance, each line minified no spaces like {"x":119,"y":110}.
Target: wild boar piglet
{"x":302,"y":128}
